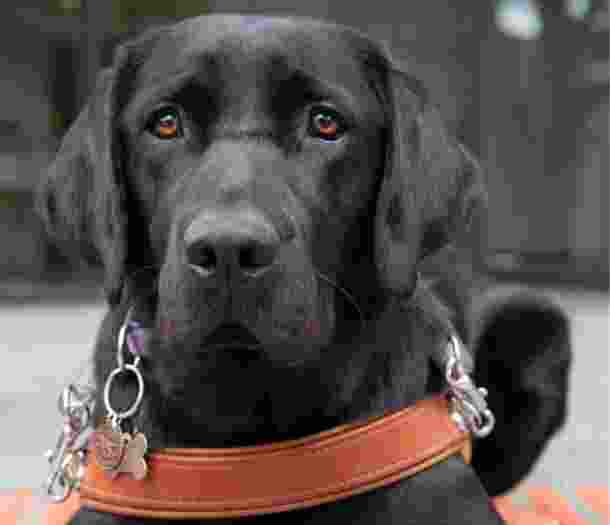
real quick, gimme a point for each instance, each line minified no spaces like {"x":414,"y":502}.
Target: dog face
{"x":272,"y":181}
{"x":258,"y":194}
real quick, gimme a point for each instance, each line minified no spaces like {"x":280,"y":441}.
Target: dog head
{"x":272,"y":182}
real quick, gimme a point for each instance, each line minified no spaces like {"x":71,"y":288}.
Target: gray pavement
{"x":43,"y":346}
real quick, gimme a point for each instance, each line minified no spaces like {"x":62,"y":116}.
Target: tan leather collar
{"x":248,"y":481}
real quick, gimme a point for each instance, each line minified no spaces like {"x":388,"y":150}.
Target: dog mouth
{"x":233,"y":337}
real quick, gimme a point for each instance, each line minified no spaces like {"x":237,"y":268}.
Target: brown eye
{"x":326,"y":124}
{"x":165,"y":124}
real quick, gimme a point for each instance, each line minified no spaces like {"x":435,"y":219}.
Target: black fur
{"x":345,"y":330}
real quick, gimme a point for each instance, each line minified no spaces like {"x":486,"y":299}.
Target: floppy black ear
{"x":80,"y":198}
{"x":432,"y":191}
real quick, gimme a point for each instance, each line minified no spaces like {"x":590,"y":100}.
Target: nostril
{"x":255,"y":256}
{"x":230,"y":245}
{"x":202,"y":255}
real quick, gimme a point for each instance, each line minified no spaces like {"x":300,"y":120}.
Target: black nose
{"x":233,"y":244}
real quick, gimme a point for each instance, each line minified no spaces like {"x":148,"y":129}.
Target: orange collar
{"x":249,"y":481}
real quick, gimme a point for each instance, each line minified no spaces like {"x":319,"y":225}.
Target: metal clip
{"x":66,"y":459}
{"x":471,"y":410}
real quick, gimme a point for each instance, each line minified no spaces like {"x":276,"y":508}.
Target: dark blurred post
{"x":96,"y":26}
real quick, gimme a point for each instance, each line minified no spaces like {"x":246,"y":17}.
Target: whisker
{"x":344,"y":292}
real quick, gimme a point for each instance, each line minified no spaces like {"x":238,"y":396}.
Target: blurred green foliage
{"x":125,"y":11}
{"x":57,"y":122}
{"x":9,"y":199}
{"x":64,"y":7}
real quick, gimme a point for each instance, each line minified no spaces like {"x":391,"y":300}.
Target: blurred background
{"x":523,"y":83}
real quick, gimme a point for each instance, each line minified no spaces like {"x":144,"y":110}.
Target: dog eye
{"x":165,"y":124}
{"x":325,"y":123}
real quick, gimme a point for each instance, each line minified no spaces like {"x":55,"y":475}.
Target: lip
{"x":233,"y":337}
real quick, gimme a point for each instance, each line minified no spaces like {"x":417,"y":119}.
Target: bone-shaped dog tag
{"x":133,"y":461}
{"x":119,"y":452}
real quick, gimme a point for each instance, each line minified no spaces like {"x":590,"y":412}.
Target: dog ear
{"x":431,"y":193}
{"x":81,"y":197}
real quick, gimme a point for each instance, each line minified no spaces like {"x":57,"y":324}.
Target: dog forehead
{"x":252,"y":46}
{"x":263,"y":33}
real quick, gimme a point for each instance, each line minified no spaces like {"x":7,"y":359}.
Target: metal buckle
{"x":470,"y":406}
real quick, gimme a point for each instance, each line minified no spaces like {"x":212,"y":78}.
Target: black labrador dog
{"x":265,"y":193}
